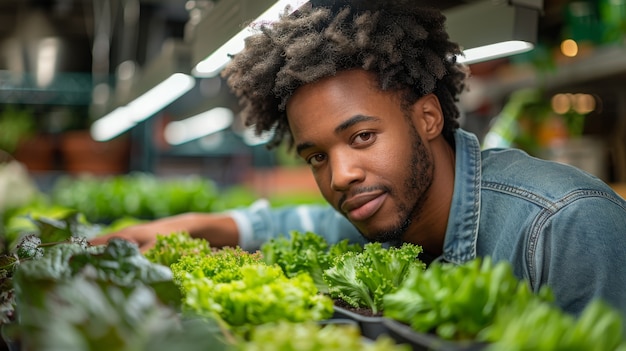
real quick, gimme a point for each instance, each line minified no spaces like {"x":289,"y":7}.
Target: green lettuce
{"x":263,"y":294}
{"x":539,"y":325}
{"x":168,"y":249}
{"x":362,"y":279}
{"x":309,"y":336}
{"x":456,"y":302}
{"x":222,"y":266}
{"x":305,"y":252}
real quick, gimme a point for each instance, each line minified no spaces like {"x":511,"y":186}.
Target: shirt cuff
{"x":245,"y":221}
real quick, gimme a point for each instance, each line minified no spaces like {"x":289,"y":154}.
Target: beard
{"x":416,"y":184}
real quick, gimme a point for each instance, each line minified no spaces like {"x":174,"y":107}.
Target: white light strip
{"x":111,"y":125}
{"x":125,"y":117}
{"x":198,"y":126}
{"x":493,"y":51}
{"x":161,"y":95}
{"x":212,"y":65}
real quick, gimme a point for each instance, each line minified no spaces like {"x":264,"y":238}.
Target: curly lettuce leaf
{"x":362,"y":279}
{"x":305,"y":252}
{"x":263,"y":294}
{"x":221,"y":266}
{"x":308,"y":336}
{"x":168,"y":249}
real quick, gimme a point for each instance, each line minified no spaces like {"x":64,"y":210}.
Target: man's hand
{"x":144,"y":235}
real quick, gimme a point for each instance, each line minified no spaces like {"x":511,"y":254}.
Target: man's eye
{"x":316,"y":159}
{"x":365,"y":137}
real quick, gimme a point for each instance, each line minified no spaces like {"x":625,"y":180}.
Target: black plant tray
{"x":404,"y":334}
{"x":371,"y":327}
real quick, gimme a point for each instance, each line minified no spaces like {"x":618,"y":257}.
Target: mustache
{"x":361,"y":190}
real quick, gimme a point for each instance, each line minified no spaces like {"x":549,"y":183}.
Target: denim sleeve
{"x":260,"y":222}
{"x":582,"y":253}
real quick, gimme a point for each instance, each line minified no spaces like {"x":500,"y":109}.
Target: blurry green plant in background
{"x":16,"y":125}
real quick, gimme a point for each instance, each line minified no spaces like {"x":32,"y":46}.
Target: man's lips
{"x":362,"y":206}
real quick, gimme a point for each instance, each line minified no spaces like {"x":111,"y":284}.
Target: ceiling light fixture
{"x":138,"y":110}
{"x":225,"y":21}
{"x":488,"y":29}
{"x":159,"y":85}
{"x":198,"y":126}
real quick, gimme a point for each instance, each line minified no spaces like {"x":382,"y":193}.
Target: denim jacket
{"x":557,"y":225}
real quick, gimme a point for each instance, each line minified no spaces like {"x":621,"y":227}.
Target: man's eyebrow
{"x":354,"y":120}
{"x":340,"y":128}
{"x":303,"y":146}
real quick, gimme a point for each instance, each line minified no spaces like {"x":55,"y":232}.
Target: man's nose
{"x":347,"y":169}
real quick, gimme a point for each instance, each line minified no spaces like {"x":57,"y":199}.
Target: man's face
{"x":365,"y":150}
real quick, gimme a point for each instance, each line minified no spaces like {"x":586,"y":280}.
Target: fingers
{"x":100,"y":240}
{"x":144,"y":245}
{"x":103,"y":240}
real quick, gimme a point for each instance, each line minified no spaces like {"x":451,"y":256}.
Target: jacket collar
{"x":462,"y":231}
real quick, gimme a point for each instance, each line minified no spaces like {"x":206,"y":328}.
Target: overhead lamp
{"x":488,"y":29}
{"x":223,"y":26}
{"x":198,"y":126}
{"x":159,"y":85}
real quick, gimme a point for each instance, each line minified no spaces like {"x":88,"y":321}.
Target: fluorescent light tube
{"x":146,"y":105}
{"x":111,"y":125}
{"x":213,"y":64}
{"x":488,"y":29}
{"x":198,"y":126}
{"x":494,"y":51}
{"x":160,"y":96}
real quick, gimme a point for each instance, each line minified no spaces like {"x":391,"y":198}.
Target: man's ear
{"x":428,"y":116}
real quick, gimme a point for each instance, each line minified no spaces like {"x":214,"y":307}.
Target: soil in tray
{"x":363,"y":311}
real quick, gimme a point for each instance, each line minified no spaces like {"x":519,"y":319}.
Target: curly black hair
{"x":404,"y":44}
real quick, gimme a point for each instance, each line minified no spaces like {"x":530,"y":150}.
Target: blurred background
{"x":67,"y":66}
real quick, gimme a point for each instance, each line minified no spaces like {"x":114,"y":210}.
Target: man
{"x":365,"y":93}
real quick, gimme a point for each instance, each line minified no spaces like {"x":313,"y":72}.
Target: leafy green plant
{"x":26,"y":236}
{"x":15,"y":126}
{"x":221,"y":266}
{"x":243,"y":291}
{"x":233,"y":197}
{"x":138,"y":195}
{"x":83,"y":314}
{"x":168,"y":249}
{"x":305,"y":252}
{"x":17,"y":188}
{"x":541,"y":326}
{"x":50,"y":222}
{"x":456,"y":302}
{"x":362,"y":279}
{"x":74,"y":296}
{"x":313,"y":337}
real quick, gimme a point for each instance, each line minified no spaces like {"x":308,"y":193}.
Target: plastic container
{"x":404,"y":334}
{"x":371,"y":327}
